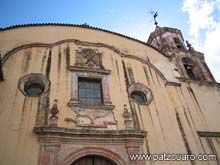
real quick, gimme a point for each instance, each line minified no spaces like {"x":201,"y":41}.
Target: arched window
{"x":189,"y":66}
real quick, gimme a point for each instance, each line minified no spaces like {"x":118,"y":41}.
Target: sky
{"x":199,"y":20}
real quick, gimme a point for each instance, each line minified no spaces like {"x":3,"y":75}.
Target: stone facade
{"x":154,"y":98}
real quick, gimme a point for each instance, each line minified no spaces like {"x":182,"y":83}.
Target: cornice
{"x":60,"y":131}
{"x":208,"y":134}
{"x":199,"y":82}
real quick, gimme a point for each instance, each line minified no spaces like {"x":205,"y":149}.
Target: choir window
{"x":34,"y":84}
{"x":34,"y":89}
{"x":139,"y":97}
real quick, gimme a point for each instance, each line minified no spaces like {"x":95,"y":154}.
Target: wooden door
{"x":93,"y":160}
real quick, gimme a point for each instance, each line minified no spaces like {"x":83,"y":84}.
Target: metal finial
{"x":155,"y":14}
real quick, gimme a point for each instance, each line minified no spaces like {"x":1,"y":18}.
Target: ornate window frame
{"x":107,"y":104}
{"x":138,"y":87}
{"x":34,"y":78}
{"x":88,"y":64}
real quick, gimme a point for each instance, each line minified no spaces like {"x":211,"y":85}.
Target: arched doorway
{"x":106,"y":154}
{"x":93,"y":160}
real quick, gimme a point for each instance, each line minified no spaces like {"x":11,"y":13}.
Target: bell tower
{"x":190,"y":64}
{"x":167,"y":40}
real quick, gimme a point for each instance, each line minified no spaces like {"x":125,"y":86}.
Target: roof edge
{"x":86,"y":26}
{"x":71,"y":25}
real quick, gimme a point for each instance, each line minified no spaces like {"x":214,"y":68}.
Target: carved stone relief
{"x":89,"y":58}
{"x":92,"y":117}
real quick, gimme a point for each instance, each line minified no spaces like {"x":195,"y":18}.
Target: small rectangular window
{"x":90,"y":92}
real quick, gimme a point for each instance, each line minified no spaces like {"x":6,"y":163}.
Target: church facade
{"x":75,"y":94}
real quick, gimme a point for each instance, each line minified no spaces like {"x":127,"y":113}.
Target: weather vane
{"x":155,"y":14}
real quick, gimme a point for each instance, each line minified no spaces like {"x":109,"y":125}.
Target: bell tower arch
{"x":189,"y":63}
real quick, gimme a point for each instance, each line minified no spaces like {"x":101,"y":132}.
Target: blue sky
{"x":128,"y":17}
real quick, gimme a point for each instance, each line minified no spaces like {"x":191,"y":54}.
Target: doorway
{"x":93,"y":160}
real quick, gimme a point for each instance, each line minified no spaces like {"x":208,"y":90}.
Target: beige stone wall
{"x":52,"y":34}
{"x":18,"y":113}
{"x":172,"y":119}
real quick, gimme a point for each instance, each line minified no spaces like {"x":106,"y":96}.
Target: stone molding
{"x":84,"y":43}
{"x":92,"y":70}
{"x":73,"y":156}
{"x":74,"y":88}
{"x":207,"y":83}
{"x":103,"y":107}
{"x":54,"y":140}
{"x":208,"y":134}
{"x":69,"y":133}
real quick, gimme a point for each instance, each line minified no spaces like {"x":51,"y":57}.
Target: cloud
{"x":204,"y":22}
